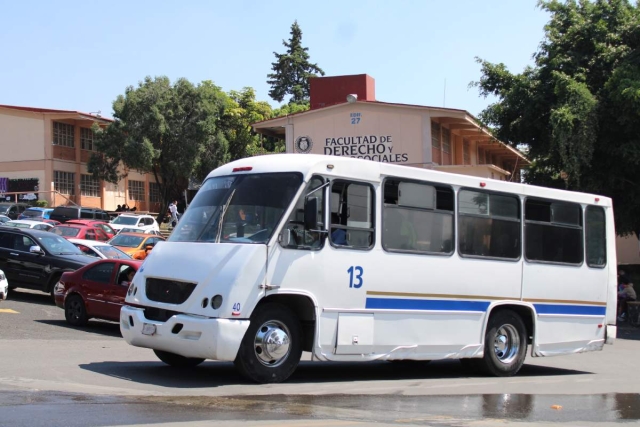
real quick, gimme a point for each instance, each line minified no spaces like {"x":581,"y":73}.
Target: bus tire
{"x":272,"y":346}
{"x":177,"y":361}
{"x":505,"y":344}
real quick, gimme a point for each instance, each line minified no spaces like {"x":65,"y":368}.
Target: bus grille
{"x":158,"y":314}
{"x":169,"y":291}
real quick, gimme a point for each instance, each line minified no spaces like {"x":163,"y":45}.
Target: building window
{"x":89,"y":186}
{"x":466,"y":157}
{"x":86,"y":139}
{"x":136,"y":190}
{"x":436,"y":149}
{"x":64,"y":182}
{"x":446,"y":146}
{"x":553,"y":232}
{"x":596,"y":237}
{"x":417,"y":217}
{"x":489,"y":225}
{"x":63,"y":134}
{"x":154,"y":193}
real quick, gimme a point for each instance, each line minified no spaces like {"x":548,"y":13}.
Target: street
{"x":52,"y":374}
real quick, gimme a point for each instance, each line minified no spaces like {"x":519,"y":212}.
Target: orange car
{"x":132,"y":243}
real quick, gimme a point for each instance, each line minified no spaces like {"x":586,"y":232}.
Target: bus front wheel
{"x":272,"y":346}
{"x":505,"y":344}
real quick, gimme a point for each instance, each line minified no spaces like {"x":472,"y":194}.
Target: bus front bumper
{"x":199,"y":337}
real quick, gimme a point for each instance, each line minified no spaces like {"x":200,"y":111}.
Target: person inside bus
{"x":338,"y":235}
{"x":624,"y":296}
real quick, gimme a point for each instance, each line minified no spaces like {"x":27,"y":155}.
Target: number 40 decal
{"x":355,"y":276}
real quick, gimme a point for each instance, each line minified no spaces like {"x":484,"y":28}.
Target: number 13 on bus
{"x":353,"y":260}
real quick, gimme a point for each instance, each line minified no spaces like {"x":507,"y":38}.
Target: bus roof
{"x":371,"y":171}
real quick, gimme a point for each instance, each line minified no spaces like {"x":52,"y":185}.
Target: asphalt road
{"x":52,"y":374}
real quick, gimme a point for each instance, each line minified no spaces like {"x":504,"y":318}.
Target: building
{"x":49,"y":149}
{"x":345,"y":119}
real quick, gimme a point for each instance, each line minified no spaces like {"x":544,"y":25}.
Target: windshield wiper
{"x":224,"y":211}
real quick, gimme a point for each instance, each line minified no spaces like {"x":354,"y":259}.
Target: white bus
{"x":354,"y":260}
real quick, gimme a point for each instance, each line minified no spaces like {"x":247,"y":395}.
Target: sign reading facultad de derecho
{"x":369,"y":147}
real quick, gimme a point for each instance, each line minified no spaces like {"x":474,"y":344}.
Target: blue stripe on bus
{"x":425,"y":304}
{"x":570,"y":309}
{"x":461,"y":305}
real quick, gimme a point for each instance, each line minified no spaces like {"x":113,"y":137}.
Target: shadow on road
{"x":98,"y":327}
{"x":628,"y":332}
{"x":31,"y":297}
{"x":214,"y":374}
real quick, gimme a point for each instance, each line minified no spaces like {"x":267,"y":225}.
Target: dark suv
{"x":66,"y":213}
{"x":13,"y":210}
{"x":36,"y":259}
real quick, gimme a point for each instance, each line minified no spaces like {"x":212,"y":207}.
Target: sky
{"x":82,"y":55}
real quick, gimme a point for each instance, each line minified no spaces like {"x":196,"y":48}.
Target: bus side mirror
{"x":287,"y":239}
{"x":311,"y":213}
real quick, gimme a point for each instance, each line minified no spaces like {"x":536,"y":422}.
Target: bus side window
{"x":298,"y":236}
{"x":352,"y":206}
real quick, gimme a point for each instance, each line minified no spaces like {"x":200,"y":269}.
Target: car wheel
{"x":75,"y":311}
{"x":272,"y":346}
{"x":505,"y":344}
{"x":176,"y":360}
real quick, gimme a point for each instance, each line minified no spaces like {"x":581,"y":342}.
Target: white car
{"x":4,"y":286}
{"x":99,"y":249}
{"x":145,"y":222}
{"x":139,"y":230}
{"x":28,"y":223}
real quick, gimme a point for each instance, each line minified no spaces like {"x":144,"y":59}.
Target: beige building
{"x":54,"y":146}
{"x":345,"y":119}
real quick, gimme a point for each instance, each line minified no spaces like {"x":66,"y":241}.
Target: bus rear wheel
{"x":177,"y":361}
{"x":505,"y":344}
{"x":272,"y":346}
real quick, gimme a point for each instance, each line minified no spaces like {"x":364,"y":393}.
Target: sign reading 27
{"x":355,"y":118}
{"x":355,"y":276}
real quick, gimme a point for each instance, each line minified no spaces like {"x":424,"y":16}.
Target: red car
{"x":96,"y":290}
{"x":77,"y":231}
{"x":95,"y":223}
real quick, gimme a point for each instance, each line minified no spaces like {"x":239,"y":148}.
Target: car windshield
{"x":32,"y":213}
{"x":17,"y":224}
{"x":133,"y":230}
{"x":237,"y":209}
{"x":126,"y":241}
{"x":66,"y":231}
{"x":125,"y":220}
{"x":58,"y":245}
{"x":111,"y":252}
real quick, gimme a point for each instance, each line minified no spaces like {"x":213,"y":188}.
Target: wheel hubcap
{"x":506,"y":344}
{"x":272,"y":343}
{"x":74,"y":309}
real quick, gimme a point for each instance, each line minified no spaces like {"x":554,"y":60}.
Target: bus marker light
{"x":597,"y":199}
{"x":330,"y":167}
{"x":483,"y":184}
{"x":242,"y":169}
{"x":600,"y":326}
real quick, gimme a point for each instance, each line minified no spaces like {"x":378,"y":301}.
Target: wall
{"x":23,"y":133}
{"x":391,"y":135}
{"x":628,"y":250}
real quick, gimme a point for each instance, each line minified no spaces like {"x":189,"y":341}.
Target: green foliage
{"x":41,"y":203}
{"x":291,"y":108}
{"x":292,"y":70}
{"x":577,"y":110}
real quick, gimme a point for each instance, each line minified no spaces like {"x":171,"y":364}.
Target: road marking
{"x":8,"y":310}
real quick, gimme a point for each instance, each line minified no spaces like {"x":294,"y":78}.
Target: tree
{"x":170,"y":130}
{"x":292,"y":70}
{"x":578,"y":108}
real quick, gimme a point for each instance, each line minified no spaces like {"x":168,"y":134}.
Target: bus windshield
{"x":237,"y":209}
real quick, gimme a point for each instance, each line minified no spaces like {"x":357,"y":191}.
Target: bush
{"x":41,"y":203}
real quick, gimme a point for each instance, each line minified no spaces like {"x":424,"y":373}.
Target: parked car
{"x":66,"y":213}
{"x":131,"y":243}
{"x":12,"y":210}
{"x":140,"y":230}
{"x":27,"y":223}
{"x":99,"y":249}
{"x":109,"y":231}
{"x":97,"y":290}
{"x":36,"y":259}
{"x":4,"y":286}
{"x":143,"y":221}
{"x":37,"y":214}
{"x":51,"y":221}
{"x":78,"y":231}
{"x":4,"y":218}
